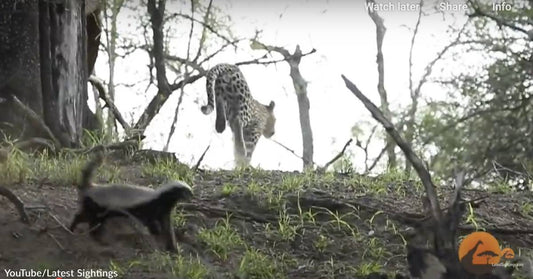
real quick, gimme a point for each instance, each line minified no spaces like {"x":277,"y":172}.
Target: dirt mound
{"x":254,"y":224}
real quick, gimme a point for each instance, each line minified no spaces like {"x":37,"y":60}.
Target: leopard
{"x":248,"y":119}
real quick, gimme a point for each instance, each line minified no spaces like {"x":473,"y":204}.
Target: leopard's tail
{"x":211,"y":76}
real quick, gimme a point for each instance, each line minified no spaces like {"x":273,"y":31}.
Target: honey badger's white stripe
{"x":127,"y":196}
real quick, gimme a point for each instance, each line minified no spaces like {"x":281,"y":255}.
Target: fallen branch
{"x":443,"y":228}
{"x":201,"y":159}
{"x":130,"y":144}
{"x":21,"y":145}
{"x":337,"y":157}
{"x":37,"y":121}
{"x":19,"y":205}
{"x":223,"y":212}
{"x":417,"y":163}
{"x":99,"y":85}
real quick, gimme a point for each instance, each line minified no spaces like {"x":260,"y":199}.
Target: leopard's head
{"x":269,"y":129}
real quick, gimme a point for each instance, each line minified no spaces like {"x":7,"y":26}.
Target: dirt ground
{"x":319,"y":226}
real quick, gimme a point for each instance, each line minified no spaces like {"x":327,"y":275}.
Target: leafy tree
{"x":487,"y":126}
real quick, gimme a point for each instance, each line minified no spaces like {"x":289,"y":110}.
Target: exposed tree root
{"x":19,"y":205}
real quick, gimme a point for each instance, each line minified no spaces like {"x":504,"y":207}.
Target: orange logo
{"x":479,"y":251}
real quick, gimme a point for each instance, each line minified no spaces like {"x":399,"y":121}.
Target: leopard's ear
{"x":271,"y":106}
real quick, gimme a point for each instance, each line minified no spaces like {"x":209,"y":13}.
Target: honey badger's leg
{"x":81,"y":217}
{"x":167,"y":232}
{"x":96,"y":227}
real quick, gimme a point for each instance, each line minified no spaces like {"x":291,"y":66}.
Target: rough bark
{"x":92,"y":121}
{"x":157,"y":13}
{"x":42,"y":48}
{"x":19,"y":71}
{"x":64,"y":68}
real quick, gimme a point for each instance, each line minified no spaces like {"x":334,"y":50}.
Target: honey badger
{"x":152,"y":207}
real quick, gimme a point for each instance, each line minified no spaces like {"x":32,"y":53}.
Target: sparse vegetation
{"x":255,"y":264}
{"x":222,"y":239}
{"x":325,"y":225}
{"x":166,"y":170}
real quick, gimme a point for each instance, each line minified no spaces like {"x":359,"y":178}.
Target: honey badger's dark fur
{"x":151,"y":207}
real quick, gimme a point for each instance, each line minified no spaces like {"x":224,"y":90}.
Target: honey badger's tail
{"x":87,"y":172}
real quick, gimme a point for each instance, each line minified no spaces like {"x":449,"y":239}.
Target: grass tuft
{"x":222,"y":239}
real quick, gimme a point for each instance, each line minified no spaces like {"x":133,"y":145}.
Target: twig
{"x":36,"y":120}
{"x":60,"y":223}
{"x":56,"y":241}
{"x":288,"y":149}
{"x":124,"y":145}
{"x":376,"y":160}
{"x":223,"y":212}
{"x":478,"y":12}
{"x":99,"y":85}
{"x":337,"y":157}
{"x":201,"y":159}
{"x":19,"y":205}
{"x":202,"y":38}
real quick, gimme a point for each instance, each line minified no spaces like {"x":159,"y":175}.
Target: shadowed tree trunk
{"x":44,"y":64}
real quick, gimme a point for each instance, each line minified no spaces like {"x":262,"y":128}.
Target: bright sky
{"x":343,"y":35}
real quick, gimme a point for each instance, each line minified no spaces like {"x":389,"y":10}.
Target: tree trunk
{"x":380,"y":34}
{"x":63,"y":62}
{"x":19,"y":71}
{"x":300,"y":88}
{"x":43,"y":49}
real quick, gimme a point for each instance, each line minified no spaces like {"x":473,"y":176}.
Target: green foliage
{"x":61,"y":169}
{"x":222,"y":239}
{"x":487,"y":117}
{"x":228,"y":189}
{"x":256,"y":265}
{"x":179,"y":265}
{"x":16,"y":169}
{"x":343,"y":165}
{"x":167,"y":170}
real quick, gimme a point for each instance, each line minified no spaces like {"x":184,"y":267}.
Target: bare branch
{"x":35,"y":119}
{"x":376,"y":160}
{"x":288,"y":149}
{"x":201,"y":159}
{"x":99,"y":85}
{"x":209,"y":27}
{"x":380,"y":35}
{"x":337,"y":157}
{"x":478,"y":12}
{"x":300,"y":88}
{"x":202,"y":38}
{"x":411,"y":48}
{"x":417,"y":163}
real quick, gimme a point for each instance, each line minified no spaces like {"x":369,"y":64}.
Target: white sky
{"x":344,"y":36}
